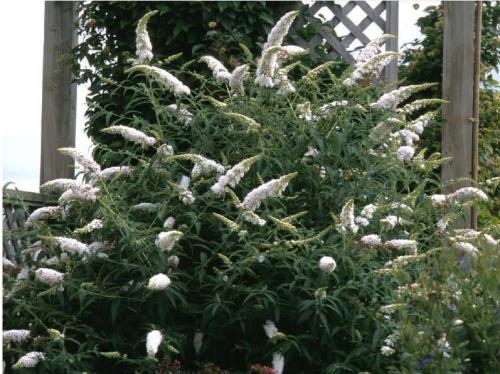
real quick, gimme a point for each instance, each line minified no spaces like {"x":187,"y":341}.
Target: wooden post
{"x":391,"y":27}
{"x":58,"y":92}
{"x":458,"y":83}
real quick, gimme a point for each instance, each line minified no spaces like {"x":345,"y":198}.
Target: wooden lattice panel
{"x":384,"y":15}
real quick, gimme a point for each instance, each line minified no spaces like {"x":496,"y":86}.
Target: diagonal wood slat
{"x":338,"y":45}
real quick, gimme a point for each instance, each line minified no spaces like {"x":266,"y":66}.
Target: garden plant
{"x":256,"y":223}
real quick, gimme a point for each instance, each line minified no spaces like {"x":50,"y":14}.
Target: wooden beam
{"x":458,"y":81}
{"x":392,"y":27}
{"x":58,"y":92}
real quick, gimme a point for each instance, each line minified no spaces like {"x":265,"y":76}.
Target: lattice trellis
{"x":384,"y":15}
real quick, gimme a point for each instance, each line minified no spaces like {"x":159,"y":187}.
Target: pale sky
{"x":21,"y":33}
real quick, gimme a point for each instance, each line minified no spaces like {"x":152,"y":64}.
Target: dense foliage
{"x":306,"y":208}
{"x":228,"y":30}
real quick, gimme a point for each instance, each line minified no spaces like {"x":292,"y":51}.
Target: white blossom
{"x":368,"y":211}
{"x":270,"y":329}
{"x":421,"y":122}
{"x":370,"y":69}
{"x":278,"y":362}
{"x":402,"y":207}
{"x":253,"y":218}
{"x":71,"y":246}
{"x":347,"y":221}
{"x":95,"y":224}
{"x":444,"y":346}
{"x":406,"y":136}
{"x":8,"y":264}
{"x":391,"y":221}
{"x":273,"y":188}
{"x":159,"y":282}
{"x":83,"y":160}
{"x":29,"y":360}
{"x":236,"y":80}
{"x":405,"y":153}
{"x":153,"y":341}
{"x":361,"y":221}
{"x":401,"y":244}
{"x":83,"y":193}
{"x":305,"y":112}
{"x":183,"y":115}
{"x":371,"y":240}
{"x":173,"y":261}
{"x":245,"y":120}
{"x":197,"y":341}
{"x":165,"y":150}
{"x":390,"y":100}
{"x":233,"y":176}
{"x":166,"y":240}
{"x":490,"y":240}
{"x":387,"y":351}
{"x":143,"y":45}
{"x":42,"y":214}
{"x":310,"y":154}
{"x":15,"y":336}
{"x":466,"y":248}
{"x":110,"y":172}
{"x":267,"y":67}
{"x":327,"y":264}
{"x":371,"y":49}
{"x":164,"y":78}
{"x":438,"y":200}
{"x":49,"y":276}
{"x":55,"y":334}
{"x":401,"y":261}
{"x":417,"y":105}
{"x":467,"y":194}
{"x":279,"y":31}
{"x":56,"y":260}
{"x":58,"y":185}
{"x":206,"y":167}
{"x":220,"y":73}
{"x":185,"y":195}
{"x":169,"y":223}
{"x":457,"y":322}
{"x":131,"y":134}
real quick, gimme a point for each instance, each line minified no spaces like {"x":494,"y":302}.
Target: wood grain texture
{"x":458,"y":83}
{"x":58,"y":91}
{"x":392,"y":27}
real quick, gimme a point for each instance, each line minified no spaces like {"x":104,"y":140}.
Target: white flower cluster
{"x":460,"y":196}
{"x":7,"y":264}
{"x":327,"y":264}
{"x":95,"y":224}
{"x":145,"y":207}
{"x":206,"y":167}
{"x":421,"y":123}
{"x":305,"y":113}
{"x":83,"y":160}
{"x":237,"y":78}
{"x":185,"y":195}
{"x":465,"y":248}
{"x":233,"y":176}
{"x":253,"y":218}
{"x":198,"y":341}
{"x":159,"y":282}
{"x":402,"y":244}
{"x":164,"y":78}
{"x":58,"y":185}
{"x":144,"y":49}
{"x":390,"y":221}
{"x":278,"y":363}
{"x":268,"y":65}
{"x":43,"y":213}
{"x":273,"y":188}
{"x":370,"y":69}
{"x":15,"y":336}
{"x":219,"y":71}
{"x":371,"y":49}
{"x":406,"y":136}
{"x":29,"y":360}
{"x":131,"y":134}
{"x":390,"y":100}
{"x":185,"y":116}
{"x":83,"y":193}
{"x":310,"y":154}
{"x":71,"y":246}
{"x":49,"y":276}
{"x":112,"y":171}
{"x":405,"y":153}
{"x":167,"y":239}
{"x":346,"y":220}
{"x":169,"y":223}
{"x":372,"y":240}
{"x":153,"y":341}
{"x":270,"y":329}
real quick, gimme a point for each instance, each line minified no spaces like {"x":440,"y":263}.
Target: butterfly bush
{"x":268,"y":219}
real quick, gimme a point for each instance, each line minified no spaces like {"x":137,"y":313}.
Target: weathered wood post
{"x":458,"y":83}
{"x":392,"y":27}
{"x":58,"y":92}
